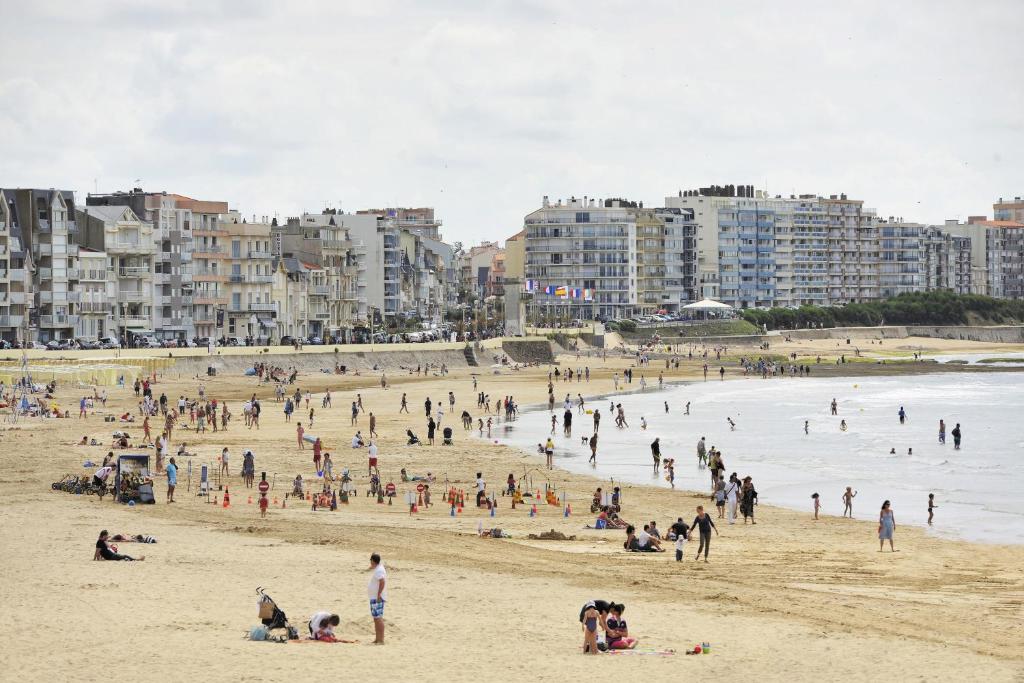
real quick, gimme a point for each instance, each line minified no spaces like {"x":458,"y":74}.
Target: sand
{"x":789,"y":598}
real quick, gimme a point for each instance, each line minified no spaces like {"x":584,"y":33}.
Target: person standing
{"x":593,"y":448}
{"x":172,"y":479}
{"x":732,"y":494}
{"x":549,"y":452}
{"x":299,"y":433}
{"x":377,"y":591}
{"x":373,"y":425}
{"x":942,"y":432}
{"x":886,"y":527}
{"x":704,"y":524}
{"x":748,"y":499}
{"x":956,"y":436}
{"x":405,"y":405}
{"x":903,"y":415}
{"x":656,"y":453}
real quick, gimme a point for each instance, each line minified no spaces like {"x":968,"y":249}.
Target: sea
{"x":979,"y":489}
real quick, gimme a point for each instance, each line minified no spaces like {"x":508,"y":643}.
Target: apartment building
{"x":586,"y":245}
{"x":97,"y":287}
{"x":130,"y":273}
{"x":1006,"y":210}
{"x":15,"y":273}
{"x":251,"y":310}
{"x":495,"y":285}
{"x":171,"y":219}
{"x":48,"y":231}
{"x":210,"y":240}
{"x":914,"y":257}
{"x":290,"y":290}
{"x":997,"y":255}
{"x":420,"y":221}
{"x":650,"y":261}
{"x":755,"y":250}
{"x":679,"y":283}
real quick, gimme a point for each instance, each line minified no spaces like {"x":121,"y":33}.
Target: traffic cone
{"x":309,"y":495}
{"x":227,"y":497}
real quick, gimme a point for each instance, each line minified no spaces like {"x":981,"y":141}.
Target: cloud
{"x":480,"y":108}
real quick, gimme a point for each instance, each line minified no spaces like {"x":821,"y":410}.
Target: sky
{"x":480,"y":108}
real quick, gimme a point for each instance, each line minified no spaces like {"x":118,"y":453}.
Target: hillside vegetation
{"x":922,"y":308}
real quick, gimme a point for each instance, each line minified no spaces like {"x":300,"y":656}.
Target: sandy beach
{"x":789,"y":598}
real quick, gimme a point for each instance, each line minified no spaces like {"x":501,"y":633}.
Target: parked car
{"x":287,"y":340}
{"x":147,"y":342}
{"x":60,"y":345}
{"x":109,"y":343}
{"x":5,"y":345}
{"x":314,"y":340}
{"x":35,"y":345}
{"x":87,"y":344}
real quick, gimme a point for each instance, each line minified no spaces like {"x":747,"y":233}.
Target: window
{"x":236,"y":300}
{"x":236,"y":249}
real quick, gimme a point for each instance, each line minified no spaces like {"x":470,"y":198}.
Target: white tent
{"x":708,"y":305}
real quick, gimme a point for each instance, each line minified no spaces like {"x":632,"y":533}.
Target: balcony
{"x":94,"y":307}
{"x":261,"y":279}
{"x":264,"y":307}
{"x":253,"y":253}
{"x":172,"y":323}
{"x":210,"y":276}
{"x":58,"y":320}
{"x":18,"y":298}
{"x":133,"y":296}
{"x":161,"y":278}
{"x":137,"y":322}
{"x":207,"y":250}
{"x":11,"y":320}
{"x":321,"y":315}
{"x":205,"y":299}
{"x":50,"y":297}
{"x":319,"y":290}
{"x":134,"y":271}
{"x":74,"y":297}
{"x":44,"y":249}
{"x":237,"y":277}
{"x":210,"y":232}
{"x":92,"y":275}
{"x":73,"y":273}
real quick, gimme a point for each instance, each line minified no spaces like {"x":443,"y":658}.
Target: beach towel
{"x":646,"y":651}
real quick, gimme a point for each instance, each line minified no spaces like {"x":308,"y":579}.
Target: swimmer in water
{"x":892,"y":451}
{"x":931,"y":506}
{"x":643,"y":422}
{"x":806,"y":425}
{"x":732,"y":425}
{"x":666,"y":407}
{"x":687,"y":407}
{"x":842,"y":425}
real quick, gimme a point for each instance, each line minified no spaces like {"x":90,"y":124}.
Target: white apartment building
{"x":15,"y":274}
{"x":97,"y":288}
{"x":129,"y":276}
{"x":585,"y":244}
{"x":290,"y":290}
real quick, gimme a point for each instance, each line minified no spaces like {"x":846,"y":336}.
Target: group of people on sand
{"x":650,"y":539}
{"x":613,"y":633}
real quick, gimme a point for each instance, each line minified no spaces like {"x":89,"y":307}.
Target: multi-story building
{"x":210,"y":239}
{"x":1005,"y":210}
{"x":97,"y":288}
{"x":419,"y":221}
{"x":48,"y":230}
{"x":15,"y":274}
{"x":251,"y":310}
{"x":680,"y":280}
{"x":650,"y":261}
{"x":754,"y":250}
{"x":582,"y":244}
{"x":171,"y":218}
{"x":290,"y":290}
{"x":131,"y":248}
{"x":496,"y":275}
{"x":997,"y":255}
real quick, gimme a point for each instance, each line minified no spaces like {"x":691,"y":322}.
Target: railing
{"x":235,"y":277}
{"x":11,"y":320}
{"x":74,"y":297}
{"x":93,"y":275}
{"x":134,"y":321}
{"x":200,"y":249}
{"x":134,"y":271}
{"x":262,"y":307}
{"x":319,"y":290}
{"x":133,"y":295}
{"x":262,"y":279}
{"x":58,"y":320}
{"x":254,"y":253}
{"x":94,"y":307}
{"x":73,"y":273}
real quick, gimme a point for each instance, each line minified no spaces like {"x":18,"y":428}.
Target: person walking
{"x":172,"y":479}
{"x":732,"y":494}
{"x":748,"y":499}
{"x":377,"y":592}
{"x":704,"y":524}
{"x":886,"y":527}
{"x":956,"y":436}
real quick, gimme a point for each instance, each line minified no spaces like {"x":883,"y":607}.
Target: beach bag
{"x":600,"y":524}
{"x":258,"y":632}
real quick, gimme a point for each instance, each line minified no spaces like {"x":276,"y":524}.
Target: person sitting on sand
{"x":106,"y":552}
{"x":321,"y":626}
{"x":357,"y":440}
{"x":413,"y":439}
{"x":616,"y":630}
{"x":297,"y":487}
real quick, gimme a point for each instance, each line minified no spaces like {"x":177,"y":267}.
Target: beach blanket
{"x":660,"y":653}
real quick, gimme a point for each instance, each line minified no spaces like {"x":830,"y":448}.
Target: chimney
{"x":545,"y":203}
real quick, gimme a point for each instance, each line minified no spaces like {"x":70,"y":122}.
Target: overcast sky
{"x":480,"y":108}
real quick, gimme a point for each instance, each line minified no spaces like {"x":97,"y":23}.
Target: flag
{"x":549,"y":290}
{"x":575,"y":293}
{"x":562,"y":291}
{"x":588,"y":294}
{"x":531,"y":285}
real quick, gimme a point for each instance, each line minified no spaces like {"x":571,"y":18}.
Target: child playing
{"x":680,"y":545}
{"x":590,"y":617}
{"x":931,"y":506}
{"x":817,"y":504}
{"x":263,"y":505}
{"x":847,"y":502}
{"x":618,"y":632}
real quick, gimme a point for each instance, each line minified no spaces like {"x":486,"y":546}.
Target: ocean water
{"x":979,"y":490}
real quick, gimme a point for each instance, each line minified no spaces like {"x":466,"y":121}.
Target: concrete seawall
{"x":1001,"y":334}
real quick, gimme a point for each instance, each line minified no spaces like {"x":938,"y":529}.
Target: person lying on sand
{"x":133,"y":538}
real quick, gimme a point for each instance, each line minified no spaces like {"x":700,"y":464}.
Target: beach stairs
{"x":470,"y":356}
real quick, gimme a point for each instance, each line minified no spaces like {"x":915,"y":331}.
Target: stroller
{"x":374,"y":485}
{"x":272,"y":616}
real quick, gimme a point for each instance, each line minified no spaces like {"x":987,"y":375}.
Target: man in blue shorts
{"x":377,"y":591}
